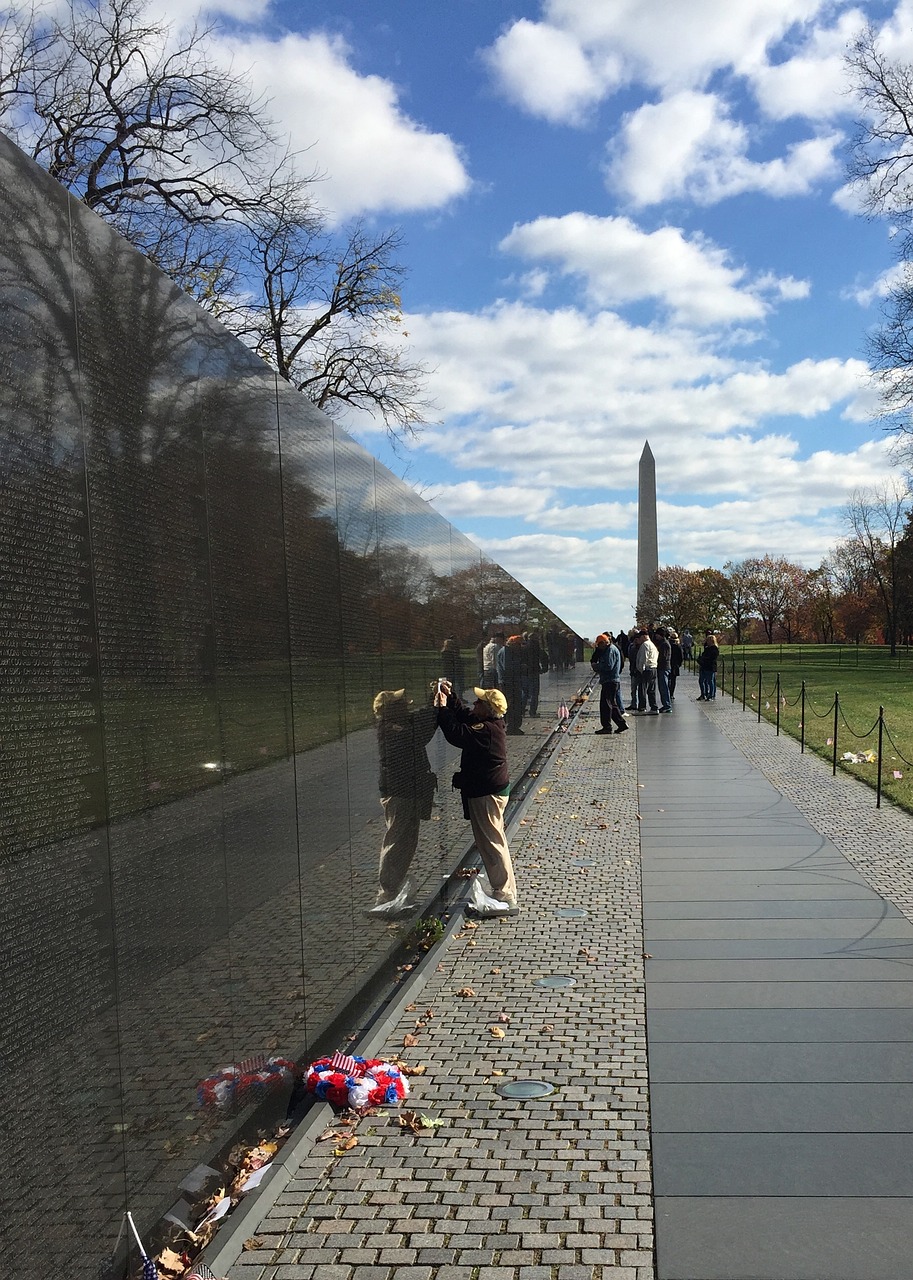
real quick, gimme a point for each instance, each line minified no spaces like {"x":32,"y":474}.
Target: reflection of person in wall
{"x":407,"y":786}
{"x":513,"y":683}
{"x":452,"y":664}
{"x":483,"y":780}
{"x":533,"y":672}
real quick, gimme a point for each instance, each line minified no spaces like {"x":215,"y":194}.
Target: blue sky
{"x":623,"y":220}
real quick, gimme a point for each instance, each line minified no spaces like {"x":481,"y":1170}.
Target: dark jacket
{"x":404,"y":767}
{"x":606,"y":662}
{"x":677,"y":656}
{"x":664,"y":651}
{"x":483,"y":743}
{"x":708,"y":658}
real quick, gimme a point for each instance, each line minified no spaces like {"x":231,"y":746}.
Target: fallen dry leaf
{"x":497,"y":1073}
{"x":252,"y":1243}
{"x":466,"y":991}
{"x":410,"y":1008}
{"x":494,"y":971}
{"x":414,"y":1071}
{"x":328,"y":1134}
{"x":497,"y":1032}
{"x":548,"y":1027}
{"x":347,"y":1145}
{"x":504,"y":1016}
{"x":409,"y":1041}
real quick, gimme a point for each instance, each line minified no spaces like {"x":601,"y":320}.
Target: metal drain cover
{"x":556,"y":980}
{"x":583,"y":862}
{"x":570,"y":913}
{"x":525,"y":1089}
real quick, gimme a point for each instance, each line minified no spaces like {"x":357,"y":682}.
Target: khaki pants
{"x":486,"y":817}
{"x":399,"y":845}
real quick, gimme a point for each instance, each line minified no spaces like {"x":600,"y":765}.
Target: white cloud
{"x":620,"y":264}
{"x":185,"y":12}
{"x":351,"y":128}
{"x":665,"y":44}
{"x":880,"y":287}
{"x":812,"y":83}
{"x":545,"y":71}
{"x":502,"y":369}
{"x":689,"y":145}
{"x":469,"y":498}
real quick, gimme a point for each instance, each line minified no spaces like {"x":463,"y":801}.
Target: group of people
{"x":654,"y":658}
{"x":514,"y":665}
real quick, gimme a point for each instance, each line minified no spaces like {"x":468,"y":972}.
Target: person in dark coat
{"x":706,"y":667}
{"x":483,"y":779}
{"x":677,"y":659}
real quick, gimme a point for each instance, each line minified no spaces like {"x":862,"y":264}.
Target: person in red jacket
{"x":483,"y":779}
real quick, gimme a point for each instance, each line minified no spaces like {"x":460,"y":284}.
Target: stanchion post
{"x":744,"y":681}
{"x":880,"y":743}
{"x":778,"y":704}
{"x":759,"y":695}
{"x":802,"y":722}
{"x":836,"y":714}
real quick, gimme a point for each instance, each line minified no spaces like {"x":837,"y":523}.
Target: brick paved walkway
{"x":549,"y":1189}
{"x":560,"y":1188}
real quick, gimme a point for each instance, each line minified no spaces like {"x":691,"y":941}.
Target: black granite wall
{"x":203,"y":584}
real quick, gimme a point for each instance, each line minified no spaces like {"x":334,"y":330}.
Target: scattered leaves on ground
{"x":466,"y":992}
{"x":252,"y":1243}
{"x":497,"y":1032}
{"x":409,"y":1041}
{"x":418,"y":1123}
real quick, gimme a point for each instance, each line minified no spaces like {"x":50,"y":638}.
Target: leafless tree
{"x":142,"y":122}
{"x":331,"y":323}
{"x":881,"y":169}
{"x":877,"y":519}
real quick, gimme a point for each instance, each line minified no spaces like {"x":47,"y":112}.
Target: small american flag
{"x":341,"y":1062}
{"x":150,"y":1270}
{"x":202,"y":1272}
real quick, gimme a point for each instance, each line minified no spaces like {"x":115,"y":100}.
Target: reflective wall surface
{"x":204,"y":586}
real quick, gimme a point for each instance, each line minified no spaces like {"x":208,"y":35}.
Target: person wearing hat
{"x":606,"y":662}
{"x":407,"y":785}
{"x":483,"y":779}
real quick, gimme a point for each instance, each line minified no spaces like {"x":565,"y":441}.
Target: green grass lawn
{"x":865,"y":678}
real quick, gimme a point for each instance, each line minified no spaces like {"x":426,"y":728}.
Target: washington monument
{"x":647,"y":542}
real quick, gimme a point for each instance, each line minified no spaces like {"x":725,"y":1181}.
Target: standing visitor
{"x":707,"y":664}
{"x":483,"y":780}
{"x":663,"y":669}
{"x":676,"y":662}
{"x":647,"y":657}
{"x":606,"y":662}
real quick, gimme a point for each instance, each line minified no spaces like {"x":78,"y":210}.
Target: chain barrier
{"x":806,"y":704}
